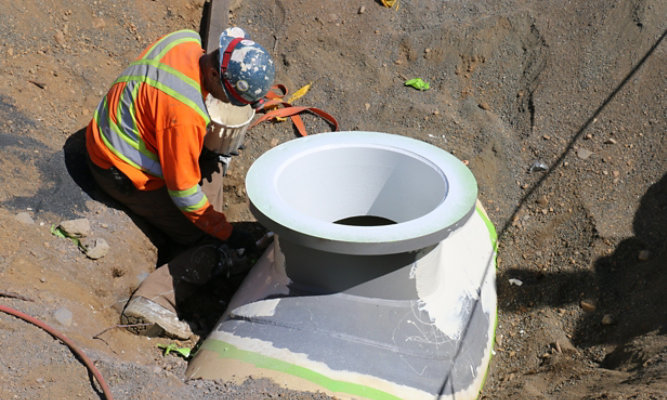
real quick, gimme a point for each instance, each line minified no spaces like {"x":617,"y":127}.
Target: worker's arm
{"x":179,"y":150}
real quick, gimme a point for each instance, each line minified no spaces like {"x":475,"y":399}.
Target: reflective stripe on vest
{"x":190,"y":199}
{"x":123,"y":137}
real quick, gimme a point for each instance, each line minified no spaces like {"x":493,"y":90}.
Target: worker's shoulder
{"x":183,"y":34}
{"x":174,"y":111}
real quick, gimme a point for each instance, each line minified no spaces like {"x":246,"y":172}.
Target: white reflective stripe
{"x":169,"y":40}
{"x":189,"y":200}
{"x":166,"y":79}
{"x":123,"y":138}
{"x":122,"y":145}
{"x":125,"y":119}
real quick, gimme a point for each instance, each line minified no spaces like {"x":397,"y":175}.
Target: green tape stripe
{"x":226,"y":350}
{"x":494,"y":240}
{"x":489,"y":225}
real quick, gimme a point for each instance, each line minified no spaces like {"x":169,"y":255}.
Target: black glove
{"x":241,"y":240}
{"x":210,"y":163}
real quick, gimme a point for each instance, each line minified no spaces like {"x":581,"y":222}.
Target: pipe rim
{"x":275,"y":214}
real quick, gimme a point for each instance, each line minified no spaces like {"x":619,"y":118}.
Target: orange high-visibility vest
{"x":151,"y":126}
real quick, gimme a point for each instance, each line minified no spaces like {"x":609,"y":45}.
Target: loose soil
{"x":557,"y":107}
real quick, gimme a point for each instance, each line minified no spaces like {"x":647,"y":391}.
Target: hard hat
{"x":246,"y":68}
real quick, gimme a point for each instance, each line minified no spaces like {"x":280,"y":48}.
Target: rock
{"x":607,"y":319}
{"x":59,"y":38}
{"x":76,"y":227}
{"x":644,"y":255}
{"x":542,"y":201}
{"x":98,"y":23}
{"x":362,"y":10}
{"x":95,"y":248}
{"x":557,"y":347}
{"x":610,"y":141}
{"x":514,"y":281}
{"x":24,"y":218}
{"x":584,"y":153}
{"x":63,"y":316}
{"x":538,"y":166}
{"x":587,"y":306}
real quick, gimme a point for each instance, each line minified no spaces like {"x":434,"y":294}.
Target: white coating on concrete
{"x":262,"y":308}
{"x":452,"y":273}
{"x":267,"y":349}
{"x":300,"y":188}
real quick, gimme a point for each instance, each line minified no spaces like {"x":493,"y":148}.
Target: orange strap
{"x":273,"y":110}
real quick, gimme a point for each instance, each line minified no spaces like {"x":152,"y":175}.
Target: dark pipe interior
{"x":365,"y":220}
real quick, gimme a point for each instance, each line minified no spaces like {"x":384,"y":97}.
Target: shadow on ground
{"x":627,"y":287}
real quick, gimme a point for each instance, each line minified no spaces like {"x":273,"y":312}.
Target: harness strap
{"x":273,"y":110}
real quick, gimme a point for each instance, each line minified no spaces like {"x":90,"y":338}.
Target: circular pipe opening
{"x":338,"y":192}
{"x":337,"y":182}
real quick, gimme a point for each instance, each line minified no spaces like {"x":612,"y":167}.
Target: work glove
{"x":240,"y":239}
{"x":210,"y":163}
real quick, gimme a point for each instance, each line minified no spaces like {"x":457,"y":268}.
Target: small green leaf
{"x":56,"y":231}
{"x":418,"y":83}
{"x":182,"y":351}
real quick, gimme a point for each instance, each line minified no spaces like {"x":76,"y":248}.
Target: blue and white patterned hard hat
{"x":246,"y":68}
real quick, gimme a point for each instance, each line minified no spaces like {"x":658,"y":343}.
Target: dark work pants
{"x":174,"y":281}
{"x":156,"y":207}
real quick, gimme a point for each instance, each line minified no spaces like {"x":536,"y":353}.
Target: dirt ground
{"x":558,"y":107}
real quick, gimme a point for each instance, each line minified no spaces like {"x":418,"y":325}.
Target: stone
{"x":59,"y":37}
{"x":95,"y":248}
{"x":587,"y":306}
{"x":515,"y":282}
{"x":542,"y":201}
{"x":584,"y":153}
{"x":644,"y":255}
{"x":24,"y":218}
{"x":63,"y":316}
{"x":76,"y":228}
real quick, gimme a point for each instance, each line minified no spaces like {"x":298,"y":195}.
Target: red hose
{"x":58,"y":335}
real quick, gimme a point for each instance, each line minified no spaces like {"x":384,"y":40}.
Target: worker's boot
{"x":149,"y":318}
{"x":155,"y":301}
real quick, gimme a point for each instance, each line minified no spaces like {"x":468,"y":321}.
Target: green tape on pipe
{"x":494,"y":240}
{"x":226,"y":350}
{"x":489,"y":225}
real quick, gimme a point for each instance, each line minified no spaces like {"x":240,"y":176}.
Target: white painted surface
{"x":453,"y":273}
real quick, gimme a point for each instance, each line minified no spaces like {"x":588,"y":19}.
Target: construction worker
{"x":145,"y":148}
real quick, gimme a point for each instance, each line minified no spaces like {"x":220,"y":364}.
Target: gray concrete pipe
{"x":381,"y":283}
